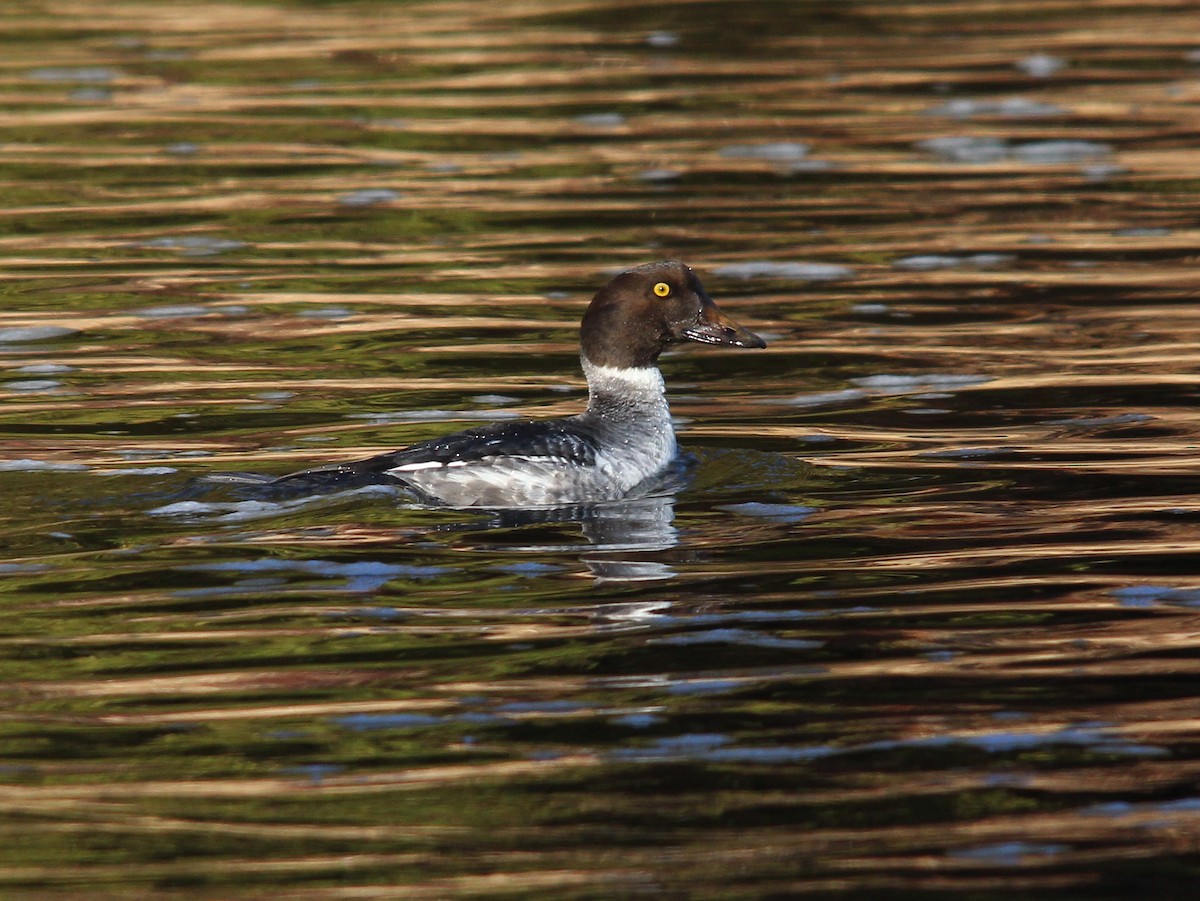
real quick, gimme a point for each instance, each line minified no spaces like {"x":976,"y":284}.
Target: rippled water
{"x":923,"y":621}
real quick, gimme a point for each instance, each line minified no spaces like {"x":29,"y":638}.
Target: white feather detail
{"x":642,"y":385}
{"x":414,"y":467}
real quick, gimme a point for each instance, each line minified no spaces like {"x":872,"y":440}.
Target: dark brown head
{"x":642,"y":311}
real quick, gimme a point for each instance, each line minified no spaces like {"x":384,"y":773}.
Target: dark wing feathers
{"x":560,"y":440}
{"x":527,"y":438}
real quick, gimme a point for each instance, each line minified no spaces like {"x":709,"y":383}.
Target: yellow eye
{"x":662,"y":289}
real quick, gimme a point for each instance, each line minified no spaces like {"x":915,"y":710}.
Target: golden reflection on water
{"x":924,"y":621}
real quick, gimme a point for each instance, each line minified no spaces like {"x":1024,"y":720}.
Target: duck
{"x":612,"y":450}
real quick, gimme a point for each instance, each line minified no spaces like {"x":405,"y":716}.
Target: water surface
{"x":922,"y":622}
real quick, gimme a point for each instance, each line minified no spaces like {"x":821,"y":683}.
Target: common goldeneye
{"x":623,"y":439}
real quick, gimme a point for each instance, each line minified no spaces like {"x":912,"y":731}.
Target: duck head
{"x":645,"y":310}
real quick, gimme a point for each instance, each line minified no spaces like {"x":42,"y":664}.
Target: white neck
{"x":627,"y":408}
{"x":634,"y":391}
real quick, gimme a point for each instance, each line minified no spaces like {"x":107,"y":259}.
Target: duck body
{"x":619,"y":443}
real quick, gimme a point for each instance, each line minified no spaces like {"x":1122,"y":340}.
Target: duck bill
{"x":714,"y":327}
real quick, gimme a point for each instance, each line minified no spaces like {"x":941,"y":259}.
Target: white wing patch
{"x":484,"y":461}
{"x":414,"y":467}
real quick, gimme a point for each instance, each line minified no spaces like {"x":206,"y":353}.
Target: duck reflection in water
{"x":624,"y":534}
